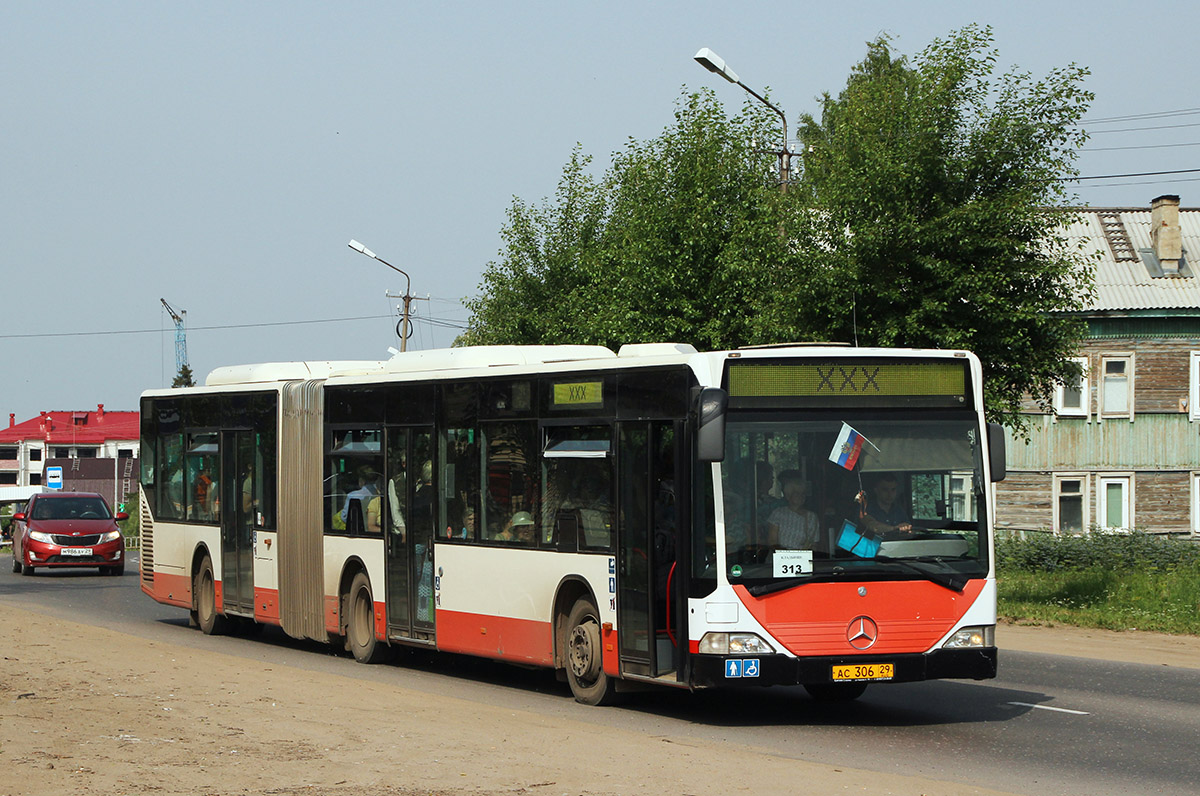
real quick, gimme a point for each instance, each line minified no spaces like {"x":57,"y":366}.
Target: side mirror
{"x":20,"y":515}
{"x":997,"y":461}
{"x":710,"y":430}
{"x":121,"y":515}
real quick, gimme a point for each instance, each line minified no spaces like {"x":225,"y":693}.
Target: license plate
{"x":865,"y":671}
{"x":77,"y":551}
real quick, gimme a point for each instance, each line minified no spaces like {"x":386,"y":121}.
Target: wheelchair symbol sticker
{"x":745,"y":667}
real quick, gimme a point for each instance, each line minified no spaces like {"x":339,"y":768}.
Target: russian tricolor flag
{"x":847,"y":448}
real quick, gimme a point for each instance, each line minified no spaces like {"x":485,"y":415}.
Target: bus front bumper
{"x":723,"y":671}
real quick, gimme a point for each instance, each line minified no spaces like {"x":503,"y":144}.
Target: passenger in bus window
{"x":367,"y":489}
{"x":375,"y":515}
{"x":519,"y":528}
{"x":590,"y":497}
{"x":792,"y":526}
{"x":885,"y":513}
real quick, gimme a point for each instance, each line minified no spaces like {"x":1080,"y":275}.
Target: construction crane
{"x":181,"y":360}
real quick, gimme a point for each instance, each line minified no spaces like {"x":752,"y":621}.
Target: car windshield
{"x":852,"y":496}
{"x":71,"y":508}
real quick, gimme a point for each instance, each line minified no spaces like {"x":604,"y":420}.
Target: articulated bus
{"x":812,"y":515}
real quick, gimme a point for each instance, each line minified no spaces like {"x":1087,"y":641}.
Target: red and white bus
{"x":816,"y":515}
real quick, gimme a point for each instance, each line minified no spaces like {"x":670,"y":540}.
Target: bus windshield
{"x":853,"y":496}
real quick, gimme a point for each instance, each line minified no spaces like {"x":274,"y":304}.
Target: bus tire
{"x":360,"y":622}
{"x":204,"y":597}
{"x":584,"y":657}
{"x":835,"y":692}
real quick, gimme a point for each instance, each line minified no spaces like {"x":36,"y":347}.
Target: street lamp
{"x":715,"y":63}
{"x":408,"y":298}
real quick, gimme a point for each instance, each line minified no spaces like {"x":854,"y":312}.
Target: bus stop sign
{"x":54,"y":477}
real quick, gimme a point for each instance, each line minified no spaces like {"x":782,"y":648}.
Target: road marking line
{"x":1047,"y":707}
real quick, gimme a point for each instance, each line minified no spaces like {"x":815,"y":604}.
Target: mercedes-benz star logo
{"x":862,"y":632}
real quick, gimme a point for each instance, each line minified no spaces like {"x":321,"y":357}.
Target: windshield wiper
{"x":947,"y":577}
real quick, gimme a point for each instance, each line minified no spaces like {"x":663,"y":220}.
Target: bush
{"x":1113,"y":552}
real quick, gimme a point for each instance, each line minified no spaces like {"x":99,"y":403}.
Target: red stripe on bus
{"x":170,"y":589}
{"x":522,"y":640}
{"x":814,"y":619}
{"x":266,"y":605}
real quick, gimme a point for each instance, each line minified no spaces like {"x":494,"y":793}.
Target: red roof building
{"x":99,"y":434}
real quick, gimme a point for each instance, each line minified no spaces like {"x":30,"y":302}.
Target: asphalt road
{"x":1047,"y":725}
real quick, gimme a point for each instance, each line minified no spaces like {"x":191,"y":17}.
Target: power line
{"x":1119,"y":176}
{"x":1142,"y":146}
{"x":431,"y":321}
{"x":1137,"y":116}
{"x":1139,"y":129}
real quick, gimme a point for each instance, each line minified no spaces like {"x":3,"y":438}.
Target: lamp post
{"x":715,"y":63}
{"x":408,"y":297}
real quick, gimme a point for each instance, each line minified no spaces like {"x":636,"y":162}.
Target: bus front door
{"x":237,"y":521}
{"x":650,"y":629}
{"x":409,"y":526}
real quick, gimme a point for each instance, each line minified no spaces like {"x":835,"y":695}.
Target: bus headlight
{"x":734,"y":644}
{"x":972,"y":638}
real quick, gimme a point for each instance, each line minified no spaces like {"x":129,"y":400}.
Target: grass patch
{"x":1116,"y":582}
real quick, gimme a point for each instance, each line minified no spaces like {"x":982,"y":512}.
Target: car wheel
{"x":204,"y":597}
{"x":26,"y":569}
{"x":16,"y":565}
{"x":116,"y":571}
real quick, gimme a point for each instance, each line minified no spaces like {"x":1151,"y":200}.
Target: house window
{"x":1070,"y":503}
{"x":8,"y":452}
{"x":1113,"y":502}
{"x":124,"y":453}
{"x":86,"y":453}
{"x":35,"y":454}
{"x":1073,"y":400}
{"x":8,"y":479}
{"x":1194,"y":386}
{"x":62,"y":453}
{"x":1196,"y":504}
{"x":1116,"y":393}
{"x":35,"y":479}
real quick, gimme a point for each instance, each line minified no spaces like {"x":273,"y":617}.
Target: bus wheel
{"x":360,"y":622}
{"x":585,"y":671}
{"x":204,"y":597}
{"x":835,"y":692}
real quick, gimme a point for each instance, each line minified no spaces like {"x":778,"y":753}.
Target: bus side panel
{"x":266,"y":577}
{"x":814,"y":619}
{"x":499,"y":602}
{"x":174,"y":547}
{"x":340,"y":551}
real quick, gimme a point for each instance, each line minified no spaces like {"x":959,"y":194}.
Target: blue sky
{"x":221,"y":155}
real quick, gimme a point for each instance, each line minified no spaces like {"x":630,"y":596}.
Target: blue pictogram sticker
{"x":612,"y":566}
{"x":745,"y":667}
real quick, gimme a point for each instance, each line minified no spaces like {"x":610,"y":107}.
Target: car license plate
{"x":77,"y":551}
{"x":865,"y":671}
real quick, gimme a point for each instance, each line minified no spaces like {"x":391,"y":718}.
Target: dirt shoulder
{"x":86,"y":710}
{"x":1128,"y":646}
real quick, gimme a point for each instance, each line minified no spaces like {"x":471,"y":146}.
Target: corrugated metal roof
{"x":1128,"y":284}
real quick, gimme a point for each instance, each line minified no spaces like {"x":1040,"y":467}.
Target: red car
{"x":67,"y":529}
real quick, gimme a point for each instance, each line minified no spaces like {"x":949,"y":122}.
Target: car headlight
{"x":972,"y":638}
{"x":44,"y":538}
{"x":111,"y":536}
{"x":734,"y":644}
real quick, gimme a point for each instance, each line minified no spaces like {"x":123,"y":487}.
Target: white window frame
{"x":1195,"y":503}
{"x":1193,"y":406}
{"x":1129,"y":384}
{"x":1102,"y":483}
{"x":1084,"y":480}
{"x":1085,"y":394}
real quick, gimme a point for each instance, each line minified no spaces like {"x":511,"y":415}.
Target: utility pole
{"x":404,"y":327}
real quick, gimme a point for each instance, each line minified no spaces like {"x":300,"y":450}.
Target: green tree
{"x":676,"y":242}
{"x":931,"y":189}
{"x":184,"y":377}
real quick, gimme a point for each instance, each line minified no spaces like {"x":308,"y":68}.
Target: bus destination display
{"x":941,"y":383}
